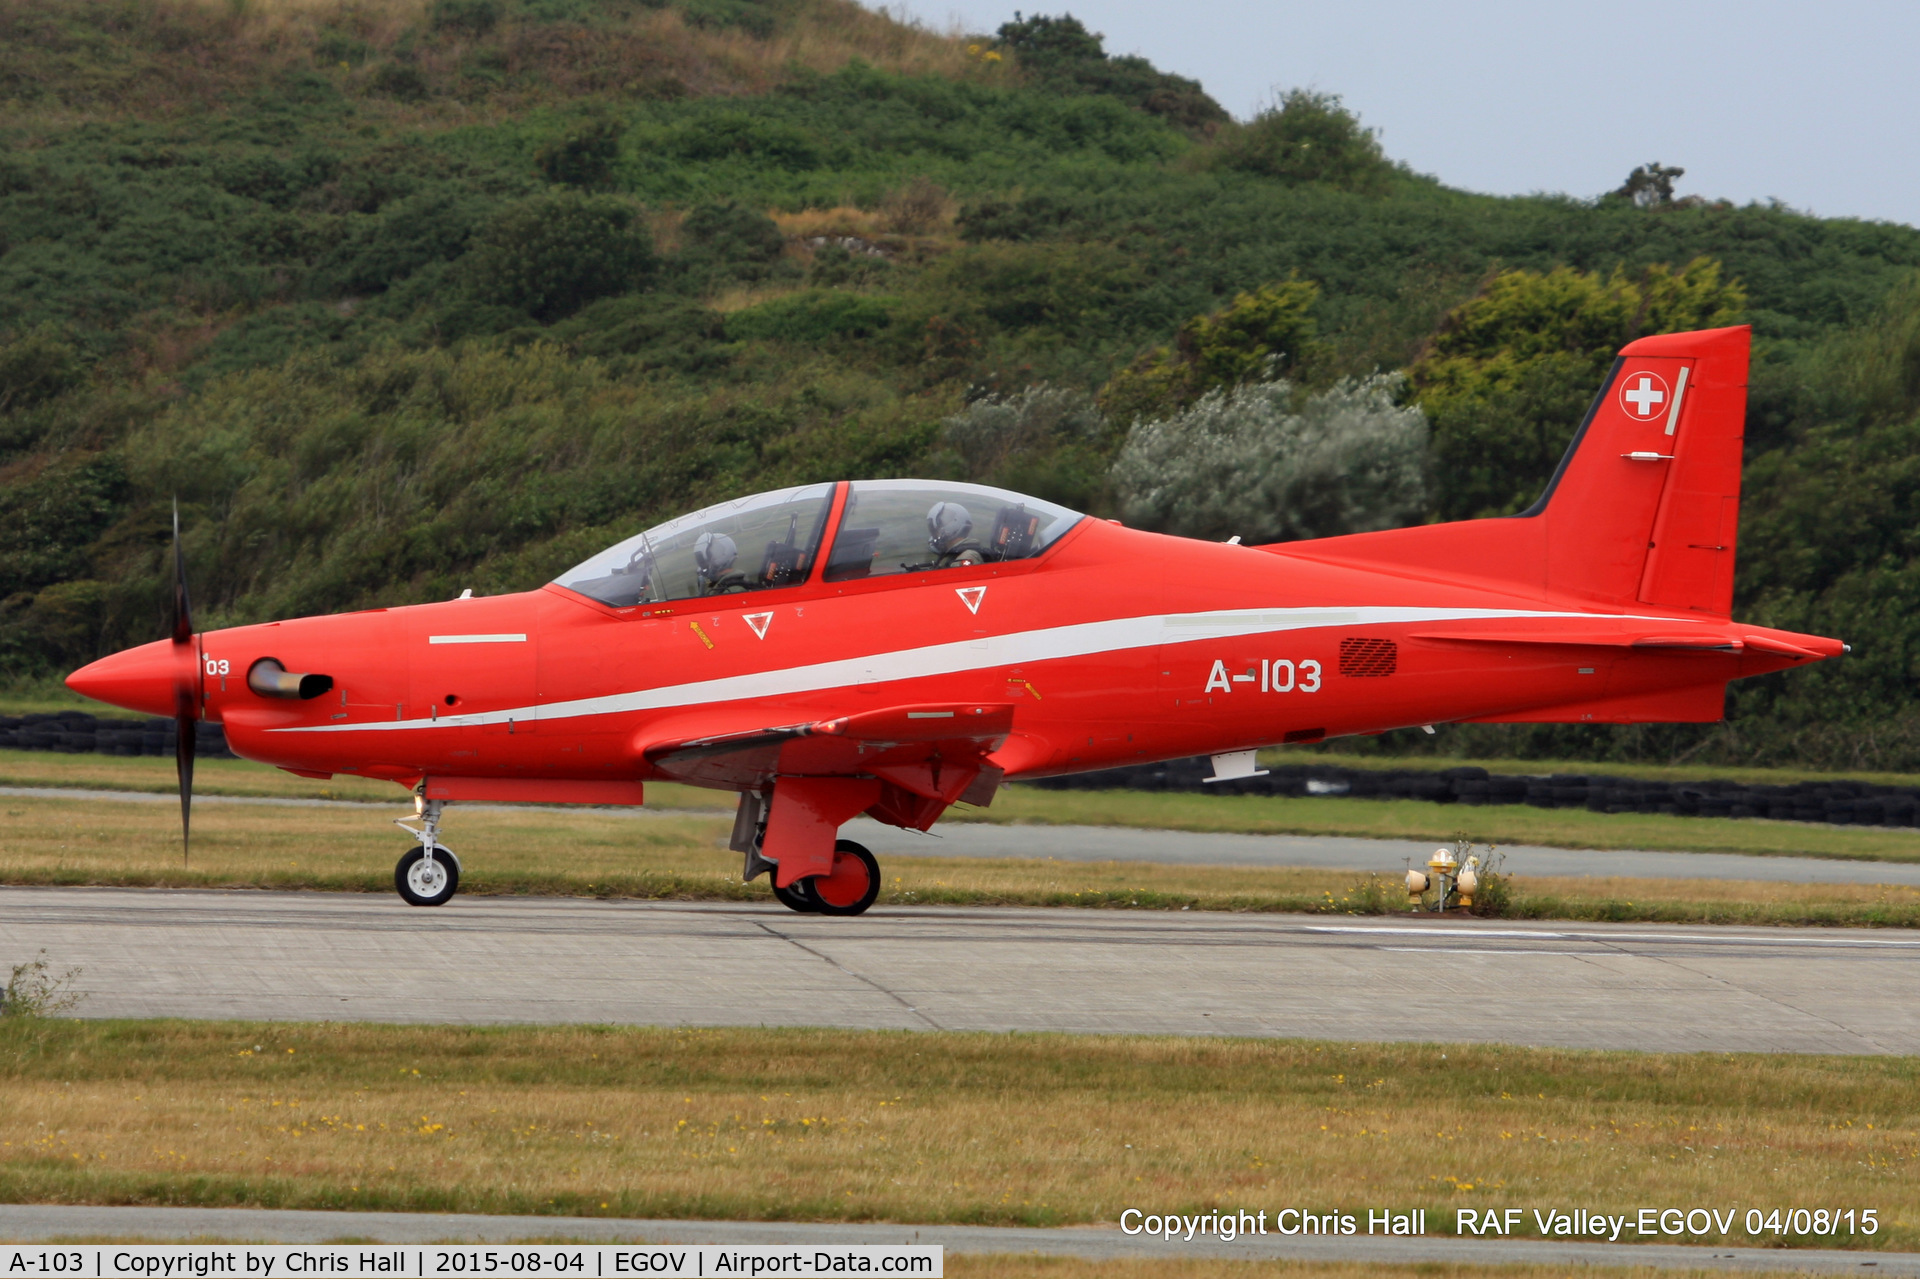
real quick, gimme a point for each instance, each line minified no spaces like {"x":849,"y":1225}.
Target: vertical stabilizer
{"x":1643,"y":509}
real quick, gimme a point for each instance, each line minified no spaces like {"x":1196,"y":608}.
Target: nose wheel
{"x":427,"y":883}
{"x":430,"y":874}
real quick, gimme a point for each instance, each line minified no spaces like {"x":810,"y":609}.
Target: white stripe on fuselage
{"x":1084,"y":639}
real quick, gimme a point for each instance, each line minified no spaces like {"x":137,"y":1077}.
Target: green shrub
{"x":1065,"y":57}
{"x":400,"y":80}
{"x":818,"y":315}
{"x":654,"y":331}
{"x":727,"y":239}
{"x":407,"y":234}
{"x":37,"y":365}
{"x":464,"y":17}
{"x":1256,"y":337}
{"x":1308,"y":137}
{"x":735,"y":135}
{"x":1511,"y":371}
{"x":551,"y":255}
{"x":583,"y":158}
{"x":755,"y":19}
{"x":1268,"y":463}
{"x":992,"y":429}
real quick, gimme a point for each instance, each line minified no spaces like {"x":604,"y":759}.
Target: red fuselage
{"x":1115,"y":646}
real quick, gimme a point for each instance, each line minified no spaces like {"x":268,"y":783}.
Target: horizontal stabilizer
{"x":1587,"y":639}
{"x":1693,"y":704}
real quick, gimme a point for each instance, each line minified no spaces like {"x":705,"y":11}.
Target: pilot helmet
{"x":713,"y":555}
{"x":948,"y":523}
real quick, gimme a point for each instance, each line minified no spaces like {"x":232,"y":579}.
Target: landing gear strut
{"x":847,"y":889}
{"x":430,"y":874}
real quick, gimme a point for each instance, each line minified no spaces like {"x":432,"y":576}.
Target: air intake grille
{"x":1368,"y":658}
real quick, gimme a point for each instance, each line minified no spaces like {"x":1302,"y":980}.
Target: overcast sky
{"x":1817,"y":105}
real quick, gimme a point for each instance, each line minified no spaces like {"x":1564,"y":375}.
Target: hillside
{"x":402,"y":298}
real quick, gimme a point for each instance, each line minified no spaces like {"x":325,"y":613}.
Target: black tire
{"x":799,"y":897}
{"x":852,"y":885}
{"x":426,"y":893}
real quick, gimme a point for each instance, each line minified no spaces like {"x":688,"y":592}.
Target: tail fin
{"x":1643,"y":509}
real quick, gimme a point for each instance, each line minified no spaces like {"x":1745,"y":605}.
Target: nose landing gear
{"x":430,"y":874}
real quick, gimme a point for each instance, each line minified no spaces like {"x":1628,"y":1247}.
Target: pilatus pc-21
{"x":892,"y":647}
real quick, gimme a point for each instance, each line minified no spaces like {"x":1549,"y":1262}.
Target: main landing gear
{"x":430,"y":874}
{"x":848,"y":888}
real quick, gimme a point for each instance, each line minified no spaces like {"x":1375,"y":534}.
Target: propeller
{"x":186,"y":688}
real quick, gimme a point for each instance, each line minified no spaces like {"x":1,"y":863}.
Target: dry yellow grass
{"x":1418,"y":819}
{"x":155,"y":775}
{"x":836,"y":1125}
{"x":1253,"y":814}
{"x":352,"y":847}
{"x":843,"y":219}
{"x":238,"y":44}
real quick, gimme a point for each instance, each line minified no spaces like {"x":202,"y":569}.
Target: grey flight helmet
{"x":713,"y":556}
{"x":948,"y":524}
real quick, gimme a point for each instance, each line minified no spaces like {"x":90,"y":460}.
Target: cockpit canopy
{"x":773,"y":539}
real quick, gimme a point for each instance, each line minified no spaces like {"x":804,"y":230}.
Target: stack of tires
{"x":77,"y":732}
{"x":1838,"y":801}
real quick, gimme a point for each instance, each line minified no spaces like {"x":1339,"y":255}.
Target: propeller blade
{"x":186,"y":708}
{"x":182,"y":610}
{"x":183,"y":767}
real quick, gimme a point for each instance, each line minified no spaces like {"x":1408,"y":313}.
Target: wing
{"x":924,"y":757}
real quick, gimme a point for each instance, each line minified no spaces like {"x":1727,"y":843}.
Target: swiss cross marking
{"x":1644,"y":395}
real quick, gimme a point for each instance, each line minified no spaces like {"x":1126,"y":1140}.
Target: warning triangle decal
{"x":971,"y":596}
{"x":759,"y":622}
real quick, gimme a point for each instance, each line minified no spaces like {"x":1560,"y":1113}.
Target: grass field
{"x":824,"y":1125}
{"x":1249,"y":814}
{"x":351,"y":847}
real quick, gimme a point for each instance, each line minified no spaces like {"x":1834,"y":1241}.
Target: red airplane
{"x":892,"y":647}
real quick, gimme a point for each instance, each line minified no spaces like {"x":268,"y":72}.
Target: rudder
{"x":1642,"y":510}
{"x":1645,"y":506}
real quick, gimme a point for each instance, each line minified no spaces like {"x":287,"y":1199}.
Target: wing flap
{"x":933,"y":750}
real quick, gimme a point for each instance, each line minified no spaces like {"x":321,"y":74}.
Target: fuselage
{"x":1114,"y":646}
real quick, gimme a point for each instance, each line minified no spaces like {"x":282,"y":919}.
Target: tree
{"x":1268,"y":463}
{"x":1063,"y":55}
{"x":1308,"y":137}
{"x":583,"y":158}
{"x":1511,"y":371}
{"x":1650,"y":186}
{"x":551,"y":255}
{"x":1256,"y":336}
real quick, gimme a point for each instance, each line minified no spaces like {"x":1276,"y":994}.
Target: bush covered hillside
{"x":402,"y":298}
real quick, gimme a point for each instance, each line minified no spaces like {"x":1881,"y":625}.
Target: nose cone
{"x":140,"y":679}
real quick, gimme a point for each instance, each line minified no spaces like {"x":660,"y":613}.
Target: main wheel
{"x":421,"y":884}
{"x":798,"y":897}
{"x":850,"y":887}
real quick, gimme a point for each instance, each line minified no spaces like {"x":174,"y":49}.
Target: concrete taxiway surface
{"x":155,"y":952}
{"x":1191,"y":848}
{"x":31,"y":1222}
